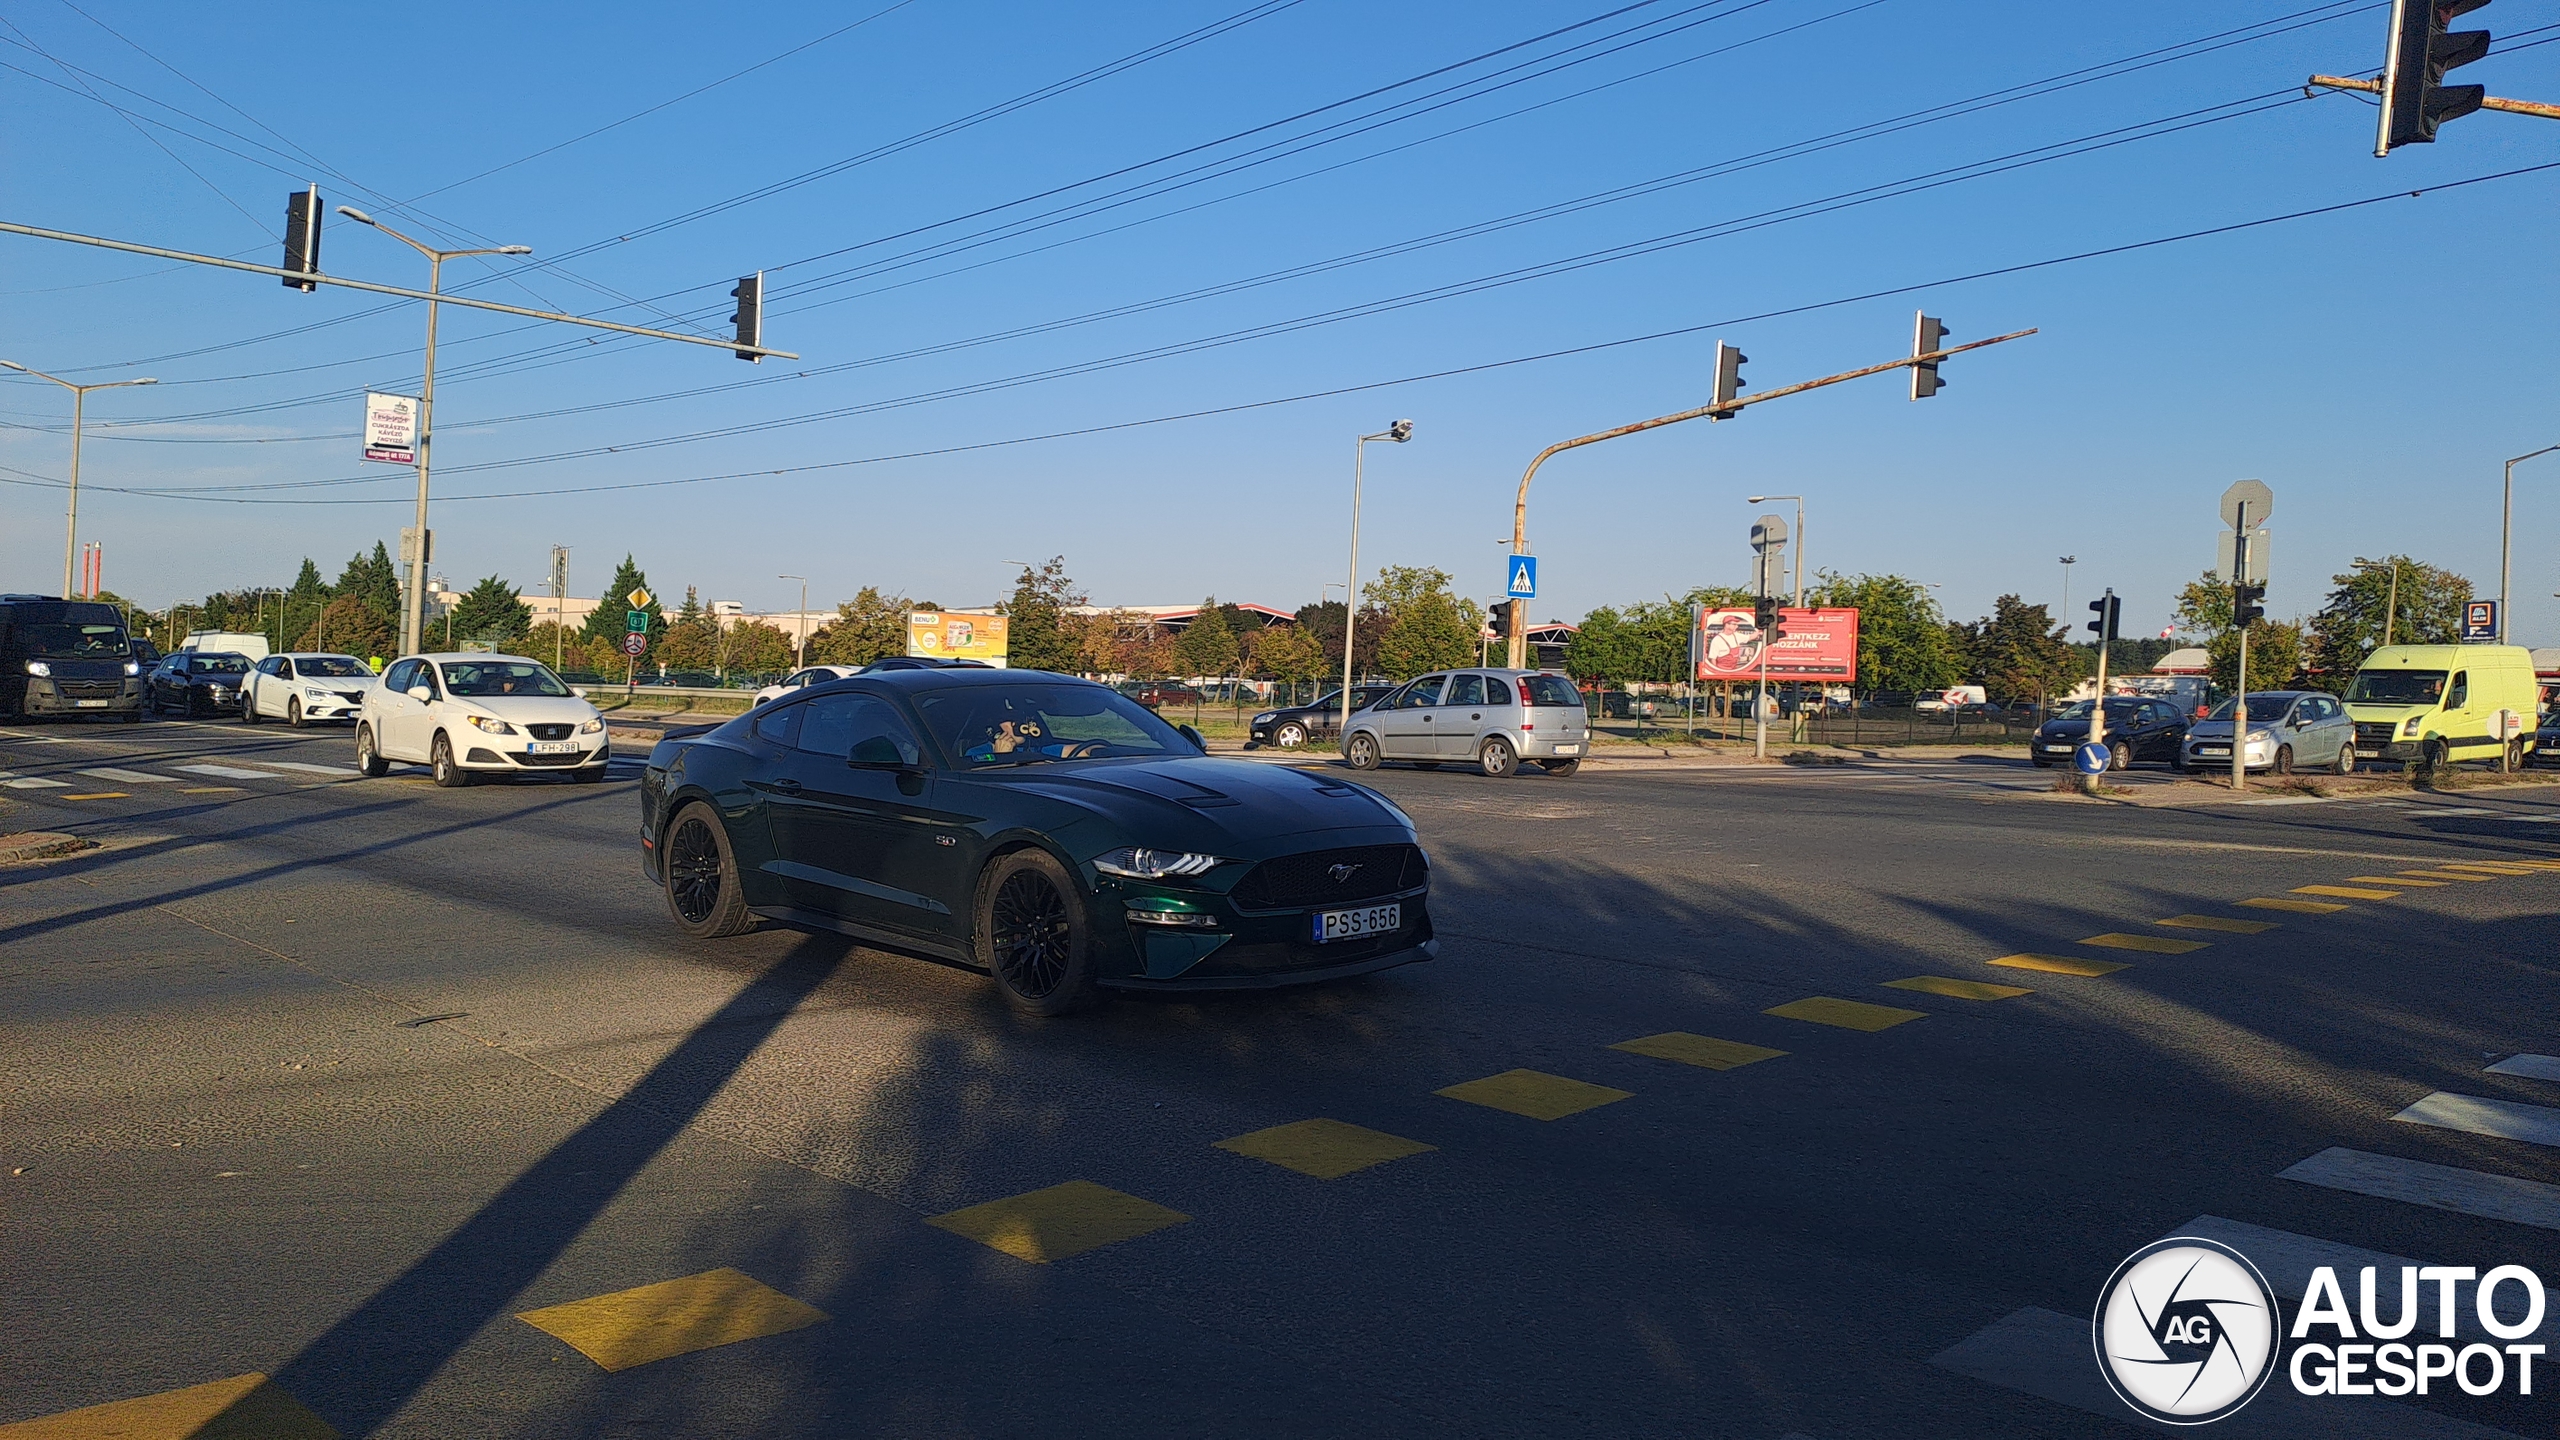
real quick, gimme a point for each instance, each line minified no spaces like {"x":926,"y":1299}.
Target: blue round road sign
{"x":2090,"y":759}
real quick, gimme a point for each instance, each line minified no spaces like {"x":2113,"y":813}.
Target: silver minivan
{"x":1491,"y":719}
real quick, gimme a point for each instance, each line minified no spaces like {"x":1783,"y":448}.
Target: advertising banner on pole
{"x":1813,"y":644}
{"x":957,"y":637}
{"x":391,"y":428}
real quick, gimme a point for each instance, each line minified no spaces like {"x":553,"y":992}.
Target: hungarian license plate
{"x":2364,"y":754}
{"x":1568,"y":749}
{"x":2222,"y":750}
{"x":552,"y":747}
{"x":1332,"y":925}
{"x":2057,"y":749}
{"x":89,"y":704}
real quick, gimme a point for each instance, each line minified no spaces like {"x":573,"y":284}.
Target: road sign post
{"x":1524,"y":578}
{"x":1769,"y":549}
{"x":2246,"y":502}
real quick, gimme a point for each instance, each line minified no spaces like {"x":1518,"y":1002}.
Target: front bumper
{"x":2208,"y":753}
{"x":1246,"y":949}
{"x":82,"y":697}
{"x":335,"y":707}
{"x":508,"y":752}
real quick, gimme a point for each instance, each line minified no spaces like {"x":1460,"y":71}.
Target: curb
{"x":39,"y":845}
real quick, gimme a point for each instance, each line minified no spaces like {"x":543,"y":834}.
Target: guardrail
{"x":670,"y":692}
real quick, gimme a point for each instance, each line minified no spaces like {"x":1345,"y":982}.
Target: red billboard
{"x":1813,"y":644}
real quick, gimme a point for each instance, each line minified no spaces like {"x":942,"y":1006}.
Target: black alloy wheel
{"x":1031,"y":934}
{"x":702,"y":877}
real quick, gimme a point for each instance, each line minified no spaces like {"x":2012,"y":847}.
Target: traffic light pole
{"x":2374,"y":87}
{"x":1520,"y":507}
{"x":2240,"y":695}
{"x":2098,"y":702}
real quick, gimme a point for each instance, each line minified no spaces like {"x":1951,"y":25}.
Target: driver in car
{"x":1022,"y":739}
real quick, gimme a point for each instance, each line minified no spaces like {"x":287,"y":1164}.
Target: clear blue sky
{"x":2374,"y":366}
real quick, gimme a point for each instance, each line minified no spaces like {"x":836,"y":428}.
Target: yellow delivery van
{"x":2431,"y":705}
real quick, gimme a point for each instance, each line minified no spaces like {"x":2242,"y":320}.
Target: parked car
{"x":195,"y":682}
{"x":1156,"y":694}
{"x":2546,"y":738}
{"x":801,"y":679}
{"x":2137,"y":730}
{"x":301,"y":686}
{"x":1492,"y":719}
{"x":468,"y":715}
{"x":1292,"y":726}
{"x":2289,"y":730}
{"x":1045,"y":829}
{"x":2430,"y":705}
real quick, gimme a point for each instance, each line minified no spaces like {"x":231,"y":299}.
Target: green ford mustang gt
{"x":1042,"y":828}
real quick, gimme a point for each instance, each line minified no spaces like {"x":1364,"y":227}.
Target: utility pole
{"x":799,"y":623}
{"x":1726,"y":403}
{"x":79,"y":406}
{"x":2246,"y":503}
{"x":1399,"y":433}
{"x":559,"y":601}
{"x":2506,"y":538}
{"x":2107,"y":608}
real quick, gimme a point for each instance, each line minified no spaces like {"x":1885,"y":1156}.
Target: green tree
{"x":1289,"y":654}
{"x":1604,"y":651}
{"x":757,"y":648}
{"x":2276,"y":649}
{"x":1324,"y":621}
{"x":1902,"y":637}
{"x":1428,"y":627}
{"x":694,"y":639}
{"x":1038,"y":637}
{"x":492,"y":611}
{"x":373,"y":581}
{"x":348,"y":626}
{"x":2348,"y":628}
{"x":2017,"y":653}
{"x":866,"y":627}
{"x":1206,"y":646}
{"x":607,"y":623}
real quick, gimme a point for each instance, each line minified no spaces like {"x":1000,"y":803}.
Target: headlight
{"x":1266,"y":717}
{"x":1136,"y":862}
{"x":2409,"y":729}
{"x":133,"y":667}
{"x":39,"y":669}
{"x":2259,"y":737}
{"x":494,"y":727}
{"x":314,"y":692}
{"x":592,"y":727}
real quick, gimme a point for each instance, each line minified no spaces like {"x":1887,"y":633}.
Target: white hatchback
{"x":301,"y":685}
{"x":469,"y":715}
{"x":801,"y":679}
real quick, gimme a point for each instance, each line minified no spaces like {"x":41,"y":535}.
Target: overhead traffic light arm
{"x":2492,"y":102}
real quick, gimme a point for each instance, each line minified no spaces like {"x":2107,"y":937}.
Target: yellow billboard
{"x":957,"y":637}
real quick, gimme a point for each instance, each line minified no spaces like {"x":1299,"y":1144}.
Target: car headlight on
{"x":39,"y":669}
{"x":494,"y":727}
{"x":2259,"y":737}
{"x":592,"y":727}
{"x":133,"y":667}
{"x":1136,"y":862}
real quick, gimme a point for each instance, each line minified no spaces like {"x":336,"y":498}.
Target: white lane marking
{"x":2444,"y":1187}
{"x":2531,"y":1067}
{"x":347,"y":769}
{"x":229,"y":772}
{"x":2447,"y":812}
{"x":30,"y":782}
{"x":2479,"y":1115}
{"x":130,"y":777}
{"x":2287,"y":1260}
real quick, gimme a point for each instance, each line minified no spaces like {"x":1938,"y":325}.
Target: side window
{"x":1422,"y":694}
{"x":426,"y":675}
{"x":1497,"y":691}
{"x":271,"y":666}
{"x":863,"y":728}
{"x":780,"y":724}
{"x":284,"y":668}
{"x":2460,"y":694}
{"x":396,"y":679}
{"x":1466,"y":690}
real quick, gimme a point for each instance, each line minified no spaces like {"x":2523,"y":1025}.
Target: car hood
{"x":1236,"y":808}
{"x":529,"y":709}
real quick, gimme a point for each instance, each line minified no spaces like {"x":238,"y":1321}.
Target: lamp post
{"x":799,"y":623}
{"x":2390,"y":606}
{"x":1399,"y":432}
{"x":79,"y":407}
{"x":2067,"y":562}
{"x":2506,"y":535}
{"x":413,"y":609}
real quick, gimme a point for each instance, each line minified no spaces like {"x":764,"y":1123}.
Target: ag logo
{"x":2186,"y":1330}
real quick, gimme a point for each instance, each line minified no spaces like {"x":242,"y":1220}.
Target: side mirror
{"x":1195,"y":737}
{"x":421,"y":692}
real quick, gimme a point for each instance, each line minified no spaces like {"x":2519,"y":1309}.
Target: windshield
{"x":331,"y":667}
{"x":2396,"y":687}
{"x":1550,"y":690}
{"x":1024,"y":724}
{"x":75,"y":641}
{"x":2118,"y":708}
{"x":220,"y":665}
{"x":2263,"y":709}
{"x":497,"y":679}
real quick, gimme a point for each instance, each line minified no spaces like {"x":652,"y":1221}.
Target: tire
{"x":2431,"y":757}
{"x":1361,"y":750}
{"x":1033,"y":936}
{"x":1498,"y":759}
{"x":700,"y":876}
{"x":293,"y":711}
{"x":248,"y":709}
{"x":2119,"y":755}
{"x":2515,"y":755}
{"x":2284,"y":760}
{"x":440,"y":764}
{"x":1562,"y":768}
{"x":1290,"y":735}
{"x":369,"y":761}
{"x":2345,"y":763}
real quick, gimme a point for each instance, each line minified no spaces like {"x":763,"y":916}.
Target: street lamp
{"x":2506,"y":533}
{"x":799,"y":623}
{"x":1399,"y":432}
{"x":2390,"y":607}
{"x":2067,"y":562}
{"x":79,"y":404}
{"x":1764,"y":499}
{"x":413,"y":609}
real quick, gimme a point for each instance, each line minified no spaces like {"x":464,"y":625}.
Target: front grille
{"x":352,"y":697}
{"x":569,"y":759}
{"x":551,"y":732}
{"x":2374,"y":732}
{"x":89,"y":689}
{"x":1293,"y":881}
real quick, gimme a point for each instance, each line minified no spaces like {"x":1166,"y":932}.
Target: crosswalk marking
{"x":1325,"y":1149}
{"x":1704,"y":1051}
{"x":2153,"y":944}
{"x":2442,"y":1187}
{"x":2059,"y":964}
{"x":2347,"y":892}
{"x":30,"y":782}
{"x":2531,"y":1067}
{"x":2447,"y":875}
{"x":2298,"y":907}
{"x":243,"y":1405}
{"x":2489,"y":867}
{"x":1061,"y":1221}
{"x":1958,"y":989}
{"x":100,"y":795}
{"x":228,"y":772}
{"x":2218,"y":922}
{"x":1535,"y":1093}
{"x":2402,"y":882}
{"x":348,"y":769}
{"x":673,"y":1317}
{"x":2480,"y":1115}
{"x":1846,"y":1014}
{"x":128,"y":777}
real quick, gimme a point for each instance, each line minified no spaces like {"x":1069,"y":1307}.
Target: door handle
{"x":785,"y":786}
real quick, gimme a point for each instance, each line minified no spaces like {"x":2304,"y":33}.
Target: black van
{"x":66,"y":657}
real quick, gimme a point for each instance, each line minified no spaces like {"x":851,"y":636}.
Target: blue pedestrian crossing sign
{"x":1524,"y":578}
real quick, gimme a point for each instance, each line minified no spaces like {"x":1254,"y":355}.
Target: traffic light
{"x":2415,"y":99}
{"x":1501,"y":618}
{"x":1729,"y":363}
{"x":1764,"y":613}
{"x":2107,"y":608}
{"x":2247,"y":607}
{"x":750,"y":316}
{"x":302,"y":238}
{"x":1928,"y":336}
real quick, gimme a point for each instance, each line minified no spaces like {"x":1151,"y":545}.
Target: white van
{"x":234,"y":642}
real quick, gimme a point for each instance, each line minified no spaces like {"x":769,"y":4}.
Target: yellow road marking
{"x":673,"y":1317}
{"x":2151,"y":944}
{"x":2060,"y":964}
{"x":1705,"y":1052}
{"x":2299,"y":907}
{"x":243,"y":1406}
{"x":210,"y":790}
{"x":1059,"y":1222}
{"x":101,"y":795}
{"x":1536,"y":1094}
{"x":2494,"y":867}
{"x":1326,"y":1149}
{"x":2346,"y":892}
{"x":2449,"y":875}
{"x":2397,"y":883}
{"x":1959,"y":989}
{"x":1847,"y":1014}
{"x":2222,"y":923}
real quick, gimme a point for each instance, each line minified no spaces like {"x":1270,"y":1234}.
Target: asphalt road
{"x":331,"y":1080}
